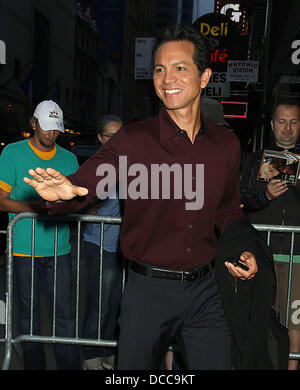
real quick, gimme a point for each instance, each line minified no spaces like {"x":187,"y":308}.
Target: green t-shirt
{"x":286,"y":258}
{"x":15,"y":161}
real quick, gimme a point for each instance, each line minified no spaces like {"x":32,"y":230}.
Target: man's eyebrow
{"x":174,"y":63}
{"x":282,"y":117}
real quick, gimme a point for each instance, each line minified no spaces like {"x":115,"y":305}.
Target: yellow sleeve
{"x":6,"y":187}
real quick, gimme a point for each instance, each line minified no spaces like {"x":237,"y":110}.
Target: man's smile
{"x":172,"y":91}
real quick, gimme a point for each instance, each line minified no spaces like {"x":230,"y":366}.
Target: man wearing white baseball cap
{"x":50,"y":116}
{"x":15,"y":197}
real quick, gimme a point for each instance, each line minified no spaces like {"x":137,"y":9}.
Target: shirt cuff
{"x":262,"y":197}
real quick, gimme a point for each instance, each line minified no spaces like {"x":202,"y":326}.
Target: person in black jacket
{"x":276,"y":202}
{"x":258,"y":340}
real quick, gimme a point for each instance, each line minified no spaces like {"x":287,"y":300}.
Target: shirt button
{"x":188,"y":249}
{"x":190,"y":226}
{"x":176,"y":137}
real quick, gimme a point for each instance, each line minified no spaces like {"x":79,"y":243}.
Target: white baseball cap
{"x":50,"y":116}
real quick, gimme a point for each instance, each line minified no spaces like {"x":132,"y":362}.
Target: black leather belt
{"x":183,"y":276}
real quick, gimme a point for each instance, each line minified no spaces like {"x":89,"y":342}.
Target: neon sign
{"x":236,"y":13}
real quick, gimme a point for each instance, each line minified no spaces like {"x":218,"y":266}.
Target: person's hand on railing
{"x":51,"y":185}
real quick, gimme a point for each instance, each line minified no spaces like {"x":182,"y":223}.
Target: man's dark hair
{"x":106,"y":120}
{"x":285,"y":101}
{"x":180,"y":32}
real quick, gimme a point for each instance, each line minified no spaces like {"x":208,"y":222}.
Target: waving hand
{"x":52,"y":185}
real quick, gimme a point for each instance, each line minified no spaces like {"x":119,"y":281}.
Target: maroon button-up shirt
{"x":163,"y":232}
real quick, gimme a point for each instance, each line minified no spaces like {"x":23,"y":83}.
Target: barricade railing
{"x":71,"y":218}
{"x":79,"y":219}
{"x":3,"y":292}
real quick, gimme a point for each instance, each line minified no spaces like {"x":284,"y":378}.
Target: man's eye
{"x":180,"y":68}
{"x":158,"y":70}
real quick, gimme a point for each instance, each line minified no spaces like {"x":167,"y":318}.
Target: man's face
{"x":176,"y":76}
{"x":110,"y":130}
{"x":286,"y":126}
{"x":46,"y":139}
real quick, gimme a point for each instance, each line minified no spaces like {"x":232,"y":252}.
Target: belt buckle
{"x":192,"y":274}
{"x":184,"y":276}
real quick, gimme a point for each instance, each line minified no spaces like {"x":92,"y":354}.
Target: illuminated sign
{"x":233,"y":9}
{"x":235,"y":14}
{"x":218,"y":56}
{"x":235,"y":109}
{"x":216,"y":25}
{"x":222,"y":37}
{"x":2,"y":53}
{"x":216,"y":31}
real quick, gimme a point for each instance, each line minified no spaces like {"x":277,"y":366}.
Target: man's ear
{"x":32,"y":123}
{"x":272,"y":125}
{"x":205,"y":76}
{"x":99,"y":138}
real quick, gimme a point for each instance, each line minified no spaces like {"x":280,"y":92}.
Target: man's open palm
{"x":52,"y":185}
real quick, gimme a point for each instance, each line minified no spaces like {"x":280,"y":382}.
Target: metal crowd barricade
{"x":292,"y":230}
{"x":2,"y":293}
{"x":79,"y":219}
{"x":9,"y":339}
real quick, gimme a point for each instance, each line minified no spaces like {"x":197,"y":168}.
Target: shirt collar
{"x":43,"y":155}
{"x":206,"y":126}
{"x":295,"y":149}
{"x":168,"y":128}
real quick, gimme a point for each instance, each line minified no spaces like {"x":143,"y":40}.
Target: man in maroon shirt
{"x":168,"y":231}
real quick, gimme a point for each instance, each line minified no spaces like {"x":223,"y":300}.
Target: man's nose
{"x":170,"y":76}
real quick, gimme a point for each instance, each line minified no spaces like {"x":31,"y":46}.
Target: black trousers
{"x":157,"y":313}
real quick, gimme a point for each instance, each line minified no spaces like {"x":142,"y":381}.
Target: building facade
{"x":39,"y":37}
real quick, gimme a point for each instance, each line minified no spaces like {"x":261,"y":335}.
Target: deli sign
{"x":222,"y":37}
{"x":217,"y":86}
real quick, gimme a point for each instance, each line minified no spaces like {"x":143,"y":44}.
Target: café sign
{"x":222,"y":36}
